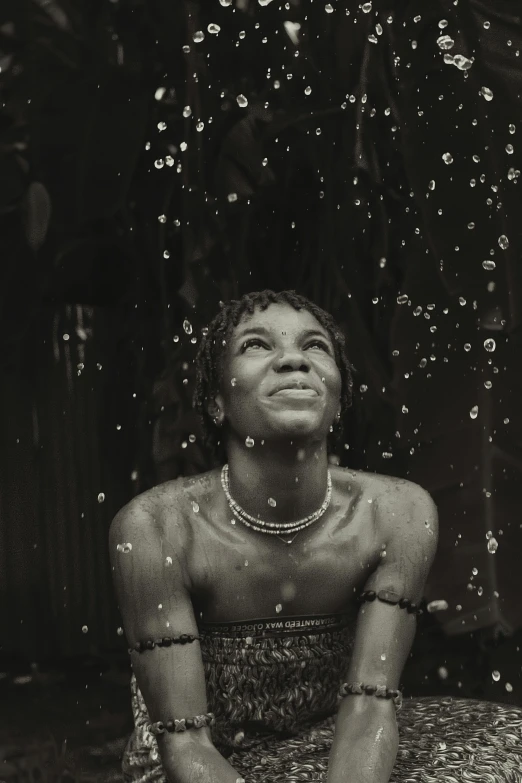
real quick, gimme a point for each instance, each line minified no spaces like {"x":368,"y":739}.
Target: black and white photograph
{"x":261,"y":391}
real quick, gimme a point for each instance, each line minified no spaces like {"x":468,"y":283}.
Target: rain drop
{"x":162,"y":219}
{"x":443,"y":673}
{"x":495,"y":675}
{"x":125,"y":548}
{"x":225,"y":3}
{"x":447,"y":158}
{"x":199,"y":126}
{"x":195,"y":507}
{"x":214,"y":28}
{"x":272,"y":502}
{"x":168,"y":561}
{"x":488,"y":264}
{"x":402,"y":299}
{"x":187,"y":111}
{"x":84,"y":629}
{"x":462,"y":63}
{"x":279,"y":608}
{"x":366,"y":8}
{"x":328,"y":8}
{"x":439,"y":605}
{"x":492,"y":545}
{"x":490,"y":344}
{"x":486,"y":93}
{"x":509,"y":149}
{"x":445,"y":42}
{"x":249,"y":442}
{"x":198,"y":36}
{"x":232,"y":197}
{"x":101,"y":497}
{"x":233,"y":381}
{"x":508,"y":687}
{"x":242,"y":101}
{"x":187,"y":326}
{"x":474,"y":412}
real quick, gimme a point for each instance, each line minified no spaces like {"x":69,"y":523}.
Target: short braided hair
{"x":209,"y":364}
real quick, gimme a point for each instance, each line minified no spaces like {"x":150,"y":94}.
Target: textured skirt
{"x":442,"y":740}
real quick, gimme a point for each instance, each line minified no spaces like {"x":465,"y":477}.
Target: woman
{"x":272,"y":602}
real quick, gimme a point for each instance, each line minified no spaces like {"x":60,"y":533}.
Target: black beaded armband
{"x":198,"y":722}
{"x":387,"y":597}
{"x":355,"y":688}
{"x":150,"y":644}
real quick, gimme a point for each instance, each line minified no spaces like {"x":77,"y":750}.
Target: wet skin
{"x":321,"y":572}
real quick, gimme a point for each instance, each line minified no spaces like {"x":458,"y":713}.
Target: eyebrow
{"x":267,"y":333}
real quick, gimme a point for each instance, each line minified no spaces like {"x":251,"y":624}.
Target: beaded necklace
{"x":274,"y":528}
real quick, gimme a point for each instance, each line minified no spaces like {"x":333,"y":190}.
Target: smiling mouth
{"x":295,"y":392}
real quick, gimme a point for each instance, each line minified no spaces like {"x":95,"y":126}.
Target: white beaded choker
{"x":274,"y":528}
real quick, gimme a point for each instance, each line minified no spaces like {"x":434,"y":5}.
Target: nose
{"x":292,"y":360}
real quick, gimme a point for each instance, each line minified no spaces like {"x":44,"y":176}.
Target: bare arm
{"x":366,"y":737}
{"x":152,"y":590}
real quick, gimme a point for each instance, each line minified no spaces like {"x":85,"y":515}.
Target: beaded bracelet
{"x":387,"y":597}
{"x":356,"y":688}
{"x":198,"y":722}
{"x":150,"y":644}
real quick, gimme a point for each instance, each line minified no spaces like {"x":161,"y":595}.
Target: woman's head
{"x":254,"y":346}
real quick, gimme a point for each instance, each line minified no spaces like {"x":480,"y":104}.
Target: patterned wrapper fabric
{"x":274,"y":695}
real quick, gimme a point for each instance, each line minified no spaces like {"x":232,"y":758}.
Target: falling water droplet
{"x":249,"y":442}
{"x":162,"y":218}
{"x":439,"y":605}
{"x":503,"y":241}
{"x":462,"y":63}
{"x":242,"y":101}
{"x":328,"y":8}
{"x":85,"y":629}
{"x":168,"y":561}
{"x":474,"y":412}
{"x":366,"y":8}
{"x":225,"y":3}
{"x":402,"y":299}
{"x":492,"y":545}
{"x":488,"y":264}
{"x":195,"y":507}
{"x":232,"y":197}
{"x":467,"y":347}
{"x":198,"y":36}
{"x":199,"y":126}
{"x":490,"y":344}
{"x":214,"y":28}
{"x":187,"y":111}
{"x":495,"y":675}
{"x":508,"y":687}
{"x":187,"y":326}
{"x":486,"y":93}
{"x":101,"y":497}
{"x":233,"y":381}
{"x":447,"y":158}
{"x":272,"y":502}
{"x":279,"y":608}
{"x":445,"y":42}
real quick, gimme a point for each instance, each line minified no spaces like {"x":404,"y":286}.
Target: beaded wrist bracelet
{"x":387,"y":597}
{"x":356,"y":688}
{"x":198,"y":722}
{"x":150,"y":644}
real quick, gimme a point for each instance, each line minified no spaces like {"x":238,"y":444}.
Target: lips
{"x":294,"y":386}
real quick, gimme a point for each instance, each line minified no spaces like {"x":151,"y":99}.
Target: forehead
{"x":280,"y":317}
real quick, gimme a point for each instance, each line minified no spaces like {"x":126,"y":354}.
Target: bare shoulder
{"x":398,"y":502}
{"x":164,"y":510}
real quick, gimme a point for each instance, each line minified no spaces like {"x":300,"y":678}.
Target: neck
{"x":294,"y":477}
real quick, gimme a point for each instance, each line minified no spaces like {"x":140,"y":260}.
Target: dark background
{"x":371,"y":165}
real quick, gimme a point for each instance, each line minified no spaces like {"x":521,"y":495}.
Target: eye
{"x":319,"y":343}
{"x":251,"y":342}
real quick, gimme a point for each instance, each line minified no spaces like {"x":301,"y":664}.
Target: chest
{"x":239,"y":574}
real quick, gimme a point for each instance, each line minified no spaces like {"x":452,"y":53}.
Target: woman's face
{"x":280,"y":378}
